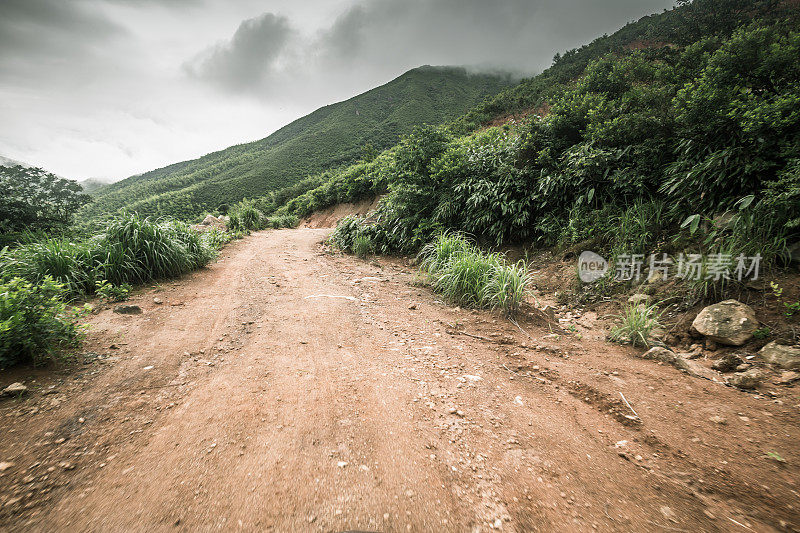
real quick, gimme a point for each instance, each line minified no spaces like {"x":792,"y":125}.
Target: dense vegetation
{"x":34,"y":200}
{"x":332,"y":136}
{"x":634,"y":150}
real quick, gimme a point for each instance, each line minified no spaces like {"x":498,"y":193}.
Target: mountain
{"x":8,"y":162}
{"x":93,"y":185}
{"x":331,"y":136}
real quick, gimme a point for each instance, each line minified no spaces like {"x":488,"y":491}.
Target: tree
{"x":34,"y":199}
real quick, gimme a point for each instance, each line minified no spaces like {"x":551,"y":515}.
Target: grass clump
{"x":135,"y":250}
{"x":636,"y":324}
{"x":363,"y":246}
{"x":35,"y":324}
{"x":66,"y":262}
{"x":464,"y":274}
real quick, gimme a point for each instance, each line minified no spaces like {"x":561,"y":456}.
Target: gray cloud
{"x":249,"y":58}
{"x":51,"y":27}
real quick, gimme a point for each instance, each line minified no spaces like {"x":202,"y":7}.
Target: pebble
{"x":5,"y":465}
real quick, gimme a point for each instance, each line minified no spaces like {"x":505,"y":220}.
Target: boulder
{"x":15,"y":389}
{"x":747,"y":380}
{"x":729,"y":322}
{"x":210,"y":220}
{"x":727,"y":363}
{"x":787,"y":357}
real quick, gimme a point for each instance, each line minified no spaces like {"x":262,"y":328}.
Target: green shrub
{"x":35,"y":326}
{"x":216,"y":238}
{"x":466,"y":275}
{"x":112,"y":293}
{"x":245,"y":217}
{"x":345,"y":233}
{"x":282,"y":221}
{"x":635,"y":324}
{"x":436,"y":254}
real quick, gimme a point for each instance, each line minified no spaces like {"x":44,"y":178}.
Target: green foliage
{"x":762,"y":333}
{"x":625,"y":155}
{"x":282,"y":221}
{"x":635,"y":324}
{"x":33,"y":199}
{"x":110,"y":292}
{"x":35,"y":325}
{"x":66,"y":262}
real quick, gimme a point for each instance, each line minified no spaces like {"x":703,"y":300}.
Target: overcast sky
{"x":110,"y":88}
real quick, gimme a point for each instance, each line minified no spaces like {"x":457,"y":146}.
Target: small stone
{"x":5,"y":465}
{"x":66,"y":465}
{"x":128,"y":310}
{"x":718,"y":420}
{"x":158,"y":301}
{"x":727,"y":363}
{"x":15,"y":389}
{"x":412,"y":306}
{"x":341,"y":464}
{"x":789,"y":377}
{"x":747,"y":380}
{"x":668,"y":513}
{"x":782,"y":356}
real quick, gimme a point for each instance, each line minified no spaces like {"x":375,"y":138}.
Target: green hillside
{"x":642,"y":141}
{"x":331,"y":136}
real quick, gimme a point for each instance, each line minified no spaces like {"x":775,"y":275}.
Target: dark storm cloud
{"x":375,"y":39}
{"x":54,"y":28}
{"x":248,"y":59}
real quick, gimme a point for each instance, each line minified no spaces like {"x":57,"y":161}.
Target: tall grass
{"x":245,"y":217}
{"x":466,"y":275}
{"x":66,"y":262}
{"x":363,"y":246}
{"x":135,"y":250}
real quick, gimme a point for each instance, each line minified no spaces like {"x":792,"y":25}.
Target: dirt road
{"x":286,"y":388}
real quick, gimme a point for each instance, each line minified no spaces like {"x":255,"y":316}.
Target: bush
{"x":245,"y":217}
{"x":112,"y":293}
{"x":35,"y":325}
{"x":282,"y":221}
{"x":363,"y":245}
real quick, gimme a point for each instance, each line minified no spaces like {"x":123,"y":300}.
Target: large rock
{"x":730,"y":322}
{"x":210,"y":220}
{"x":787,"y":357}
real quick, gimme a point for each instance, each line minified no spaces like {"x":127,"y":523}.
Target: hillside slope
{"x":329,"y":137}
